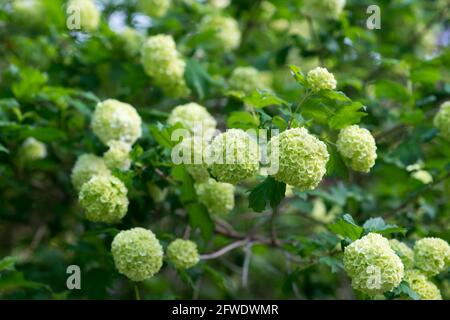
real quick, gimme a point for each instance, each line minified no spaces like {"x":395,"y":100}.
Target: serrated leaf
{"x":270,"y":191}
{"x":378,"y":225}
{"x":333,"y":263}
{"x":298,"y":75}
{"x":402,"y":289}
{"x":347,"y":228}
{"x":198,"y":79}
{"x":242,"y":120}
{"x":263,"y":98}
{"x":347,"y":115}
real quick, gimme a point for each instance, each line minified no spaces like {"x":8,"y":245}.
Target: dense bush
{"x":352,"y":202}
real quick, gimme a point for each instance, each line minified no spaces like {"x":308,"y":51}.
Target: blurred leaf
{"x":242,"y":120}
{"x":263,"y":98}
{"x":8,"y":263}
{"x":270,"y":191}
{"x":403,"y":289}
{"x":347,"y":115}
{"x":298,"y":75}
{"x":199,"y":218}
{"x":378,"y":225}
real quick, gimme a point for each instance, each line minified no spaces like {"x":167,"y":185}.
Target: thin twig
{"x":246,"y":265}
{"x":225,"y":249}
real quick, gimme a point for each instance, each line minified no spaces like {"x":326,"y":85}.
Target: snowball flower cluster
{"x":162,"y":62}
{"x":86,"y":166}
{"x":372,"y":265}
{"x":246,"y":79}
{"x":218,"y":197}
{"x":104,"y":199}
{"x":132,"y":41}
{"x":431,"y":255}
{"x":89,"y":13}
{"x":302,"y":158}
{"x":442,"y":120}
{"x":137,"y":253}
{"x":183,"y":253}
{"x":357,"y":148}
{"x":421,"y":285}
{"x":320,"y":79}
{"x":193,"y":150}
{"x":115,"y":120}
{"x":154,"y":8}
{"x":226,"y":35}
{"x":28,"y":11}
{"x":233,"y":156}
{"x":405,"y":253}
{"x":118,"y":155}
{"x":32,"y":149}
{"x":194,"y":118}
{"x":324,"y":9}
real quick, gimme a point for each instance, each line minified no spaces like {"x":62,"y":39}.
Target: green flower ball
{"x":31,"y":150}
{"x":132,"y":41}
{"x":246,"y":79}
{"x":225,"y":33}
{"x":405,"y":253}
{"x":421,"y":285}
{"x":118,"y":155}
{"x":89,"y":14}
{"x":194,"y":118}
{"x":193,"y":150}
{"x":218,"y":197}
{"x":104,"y":199}
{"x":115,"y":120}
{"x":163,"y":63}
{"x":442,"y":120}
{"x":431,"y":255}
{"x":233,"y":156}
{"x":357,"y":147}
{"x":372,"y":265}
{"x":183,"y":253}
{"x":86,"y":166}
{"x":320,"y":79}
{"x":137,"y":253}
{"x":302,"y":158}
{"x":154,"y":8}
{"x":324,"y":9}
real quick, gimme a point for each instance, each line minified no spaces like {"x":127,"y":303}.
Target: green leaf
{"x":163,"y":134}
{"x":270,"y":191}
{"x":16,"y":280}
{"x":315,"y":109}
{"x":335,"y":95}
{"x":198,"y":78}
{"x":426,"y":75}
{"x":388,"y":89}
{"x":199,"y":218}
{"x":242,"y":120}
{"x":188,"y":194}
{"x":347,"y":115}
{"x":44,"y":134}
{"x":263,"y":98}
{"x":298,"y":75}
{"x":347,"y":228}
{"x":378,"y":225}
{"x":8,"y":263}
{"x":3,"y":149}
{"x":402,"y":289}
{"x":333,"y":263}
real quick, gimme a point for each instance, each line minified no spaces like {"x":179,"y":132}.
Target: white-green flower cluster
{"x":372,"y":265}
{"x":118,"y":155}
{"x":423,"y":176}
{"x":183,"y":253}
{"x":218,"y":197}
{"x":246,"y":79}
{"x":431,"y":255}
{"x":29,"y":12}
{"x":219,"y":4}
{"x":115,"y":120}
{"x":163,"y":63}
{"x":323,"y":9}
{"x":405,"y":253}
{"x":442,"y":120}
{"x":421,"y":285}
{"x":357,"y":148}
{"x":193,"y":149}
{"x":132,"y":41}
{"x":194,"y":118}
{"x":31,"y":150}
{"x":104,"y":199}
{"x":137,"y":253}
{"x":233,"y":156}
{"x":320,"y":79}
{"x":154,"y":8}
{"x":86,"y":166}
{"x":302,"y":158}
{"x":88,"y":12}
{"x":226,"y":35}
